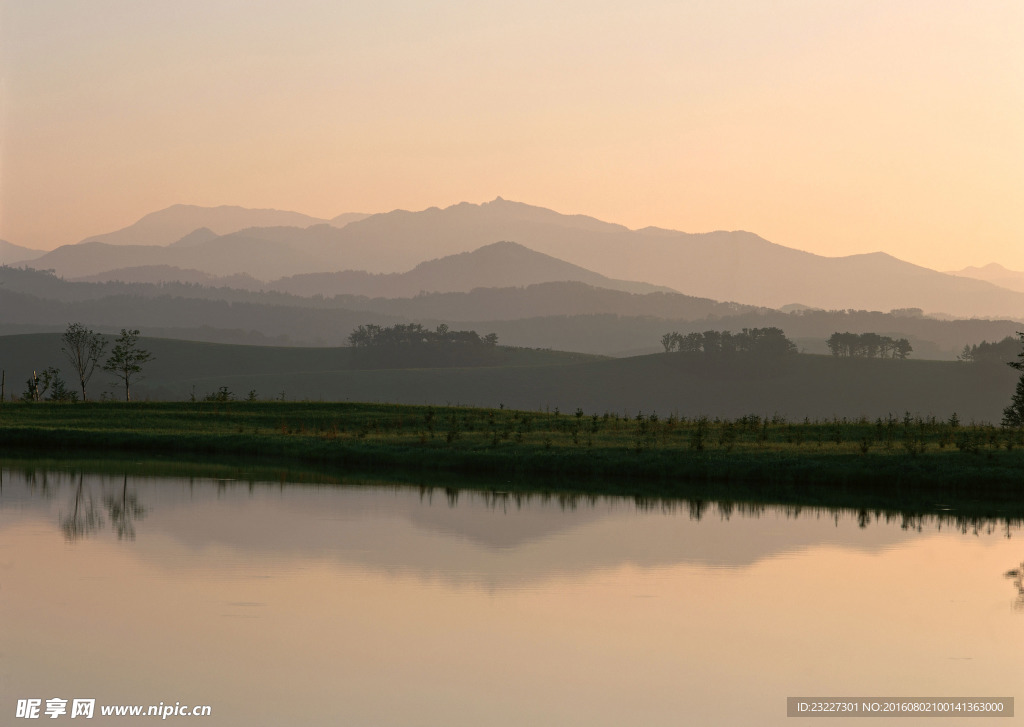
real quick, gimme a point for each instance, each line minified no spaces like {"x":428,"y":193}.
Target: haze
{"x":836,"y":128}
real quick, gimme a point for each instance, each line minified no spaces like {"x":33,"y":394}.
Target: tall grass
{"x":916,"y":457}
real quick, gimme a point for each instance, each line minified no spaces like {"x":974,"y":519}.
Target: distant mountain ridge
{"x":995,"y":274}
{"x":11,"y":253}
{"x":498,"y":265}
{"x":564,"y":315}
{"x":168,"y":225}
{"x":721,"y":265}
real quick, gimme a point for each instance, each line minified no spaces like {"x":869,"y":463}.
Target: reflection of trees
{"x":84,"y":518}
{"x":124,"y":511}
{"x":1017,"y":574}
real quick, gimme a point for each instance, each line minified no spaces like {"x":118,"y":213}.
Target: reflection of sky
{"x":483,"y":539}
{"x":300,"y":605}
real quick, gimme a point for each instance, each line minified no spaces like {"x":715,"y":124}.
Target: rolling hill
{"x":11,"y":253}
{"x":995,"y":274}
{"x":813,"y":386}
{"x":499,"y":265}
{"x":566,"y":315}
{"x":169,"y":225}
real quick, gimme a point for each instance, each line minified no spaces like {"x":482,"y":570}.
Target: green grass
{"x":907,"y":463}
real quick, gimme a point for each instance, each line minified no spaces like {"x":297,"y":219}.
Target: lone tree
{"x":83,"y":348}
{"x":1013,"y":415}
{"x":126,"y":359}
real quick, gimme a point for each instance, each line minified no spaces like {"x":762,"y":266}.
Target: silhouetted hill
{"x":995,"y":274}
{"x":632,"y":335}
{"x":223,"y":255}
{"x":171,"y":224}
{"x":720,"y":265}
{"x":196,"y":237}
{"x":347,"y":217}
{"x":566,"y":315}
{"x":813,"y":386}
{"x":498,"y":265}
{"x":33,"y":298}
{"x":544,"y":299}
{"x":501,"y":264}
{"x":11,"y":253}
{"x":160,"y":274}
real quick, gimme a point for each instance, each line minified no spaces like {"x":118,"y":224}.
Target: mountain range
{"x":565,"y":315}
{"x":498,"y":265}
{"x":172,"y":224}
{"x":996,"y":274}
{"x":727,"y":266}
{"x":11,"y":254}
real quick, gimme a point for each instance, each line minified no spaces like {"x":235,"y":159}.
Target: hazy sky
{"x":831,"y":126}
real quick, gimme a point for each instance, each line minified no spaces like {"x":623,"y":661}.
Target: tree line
{"x":995,"y":352}
{"x":410,"y":344}
{"x":1013,"y":415}
{"x":767,"y":342}
{"x":84,"y":350}
{"x":414,"y":335}
{"x":868,"y":345}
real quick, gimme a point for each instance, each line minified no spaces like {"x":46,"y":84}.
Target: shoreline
{"x":924,"y":466}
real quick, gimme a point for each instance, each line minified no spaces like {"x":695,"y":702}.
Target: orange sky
{"x":835,"y":127}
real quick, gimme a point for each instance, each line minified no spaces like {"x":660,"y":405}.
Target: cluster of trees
{"x":868,"y":345}
{"x":986,"y":352}
{"x":414,"y":335}
{"x":410,"y":344}
{"x":1013,"y":415}
{"x":84,"y":349}
{"x":765,"y":342}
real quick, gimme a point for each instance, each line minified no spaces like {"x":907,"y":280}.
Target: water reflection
{"x":82,"y":518}
{"x":488,"y":606}
{"x":124,"y":511}
{"x":1017,"y":574}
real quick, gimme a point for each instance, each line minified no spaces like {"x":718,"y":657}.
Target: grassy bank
{"x":909,"y":462}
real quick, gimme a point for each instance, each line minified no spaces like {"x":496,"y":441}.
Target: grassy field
{"x":897,"y":463}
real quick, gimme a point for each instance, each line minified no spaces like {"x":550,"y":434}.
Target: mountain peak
{"x":169,"y":225}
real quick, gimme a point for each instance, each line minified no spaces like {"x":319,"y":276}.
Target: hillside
{"x":737,"y":266}
{"x":233,"y":254}
{"x":571,"y":316}
{"x":806,"y":386}
{"x":995,"y":274}
{"x":498,"y":265}
{"x":11,"y":253}
{"x":169,"y":225}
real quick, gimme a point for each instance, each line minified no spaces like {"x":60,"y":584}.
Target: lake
{"x":277,"y":603}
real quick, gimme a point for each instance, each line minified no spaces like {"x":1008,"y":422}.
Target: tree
{"x":1013,"y":415}
{"x":903,"y":349}
{"x":83,"y":348}
{"x":126,"y":359}
{"x":39,"y":384}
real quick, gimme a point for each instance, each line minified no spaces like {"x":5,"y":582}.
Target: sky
{"x":837,"y":127}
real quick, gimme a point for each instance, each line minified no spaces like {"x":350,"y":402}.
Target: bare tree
{"x":124,"y":511}
{"x":126,"y":359}
{"x":83,"y":349}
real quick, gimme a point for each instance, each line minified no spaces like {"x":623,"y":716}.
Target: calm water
{"x":303,"y":605}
